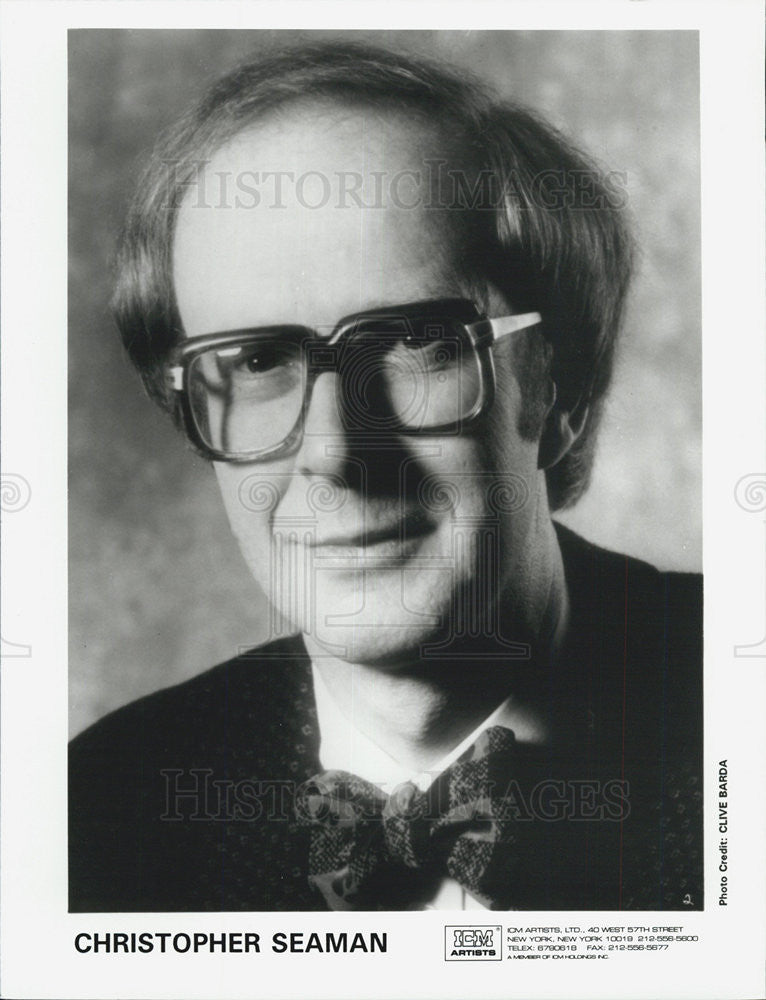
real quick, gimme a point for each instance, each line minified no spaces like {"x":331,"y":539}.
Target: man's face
{"x":373,"y":548}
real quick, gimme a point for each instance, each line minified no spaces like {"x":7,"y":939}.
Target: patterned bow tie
{"x":370,"y":851}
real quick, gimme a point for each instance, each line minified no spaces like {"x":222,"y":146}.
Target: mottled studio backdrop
{"x":157,"y":587}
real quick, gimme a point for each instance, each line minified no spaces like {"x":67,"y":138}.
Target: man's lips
{"x":402,"y":531}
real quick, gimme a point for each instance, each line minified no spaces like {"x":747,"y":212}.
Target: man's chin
{"x":371,"y":631}
{"x":367,"y":617}
{"x":386,"y":647}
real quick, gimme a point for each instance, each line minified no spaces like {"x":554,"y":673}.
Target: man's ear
{"x":562,"y":428}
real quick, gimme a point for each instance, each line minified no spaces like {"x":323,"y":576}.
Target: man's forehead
{"x":314,"y":195}
{"x":331,"y":137}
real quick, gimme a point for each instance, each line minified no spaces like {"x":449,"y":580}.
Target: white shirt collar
{"x":343,"y":747}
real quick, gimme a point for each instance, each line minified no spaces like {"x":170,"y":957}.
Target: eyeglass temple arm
{"x":504,"y":326}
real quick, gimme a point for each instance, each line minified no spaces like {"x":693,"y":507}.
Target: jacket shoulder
{"x":613,"y":592}
{"x":233,"y":695}
{"x":147,"y":785}
{"x":637,"y":632}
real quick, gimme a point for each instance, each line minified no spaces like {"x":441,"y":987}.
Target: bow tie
{"x":370,"y":851}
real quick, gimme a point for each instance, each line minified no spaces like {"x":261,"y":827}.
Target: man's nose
{"x":324,"y":449}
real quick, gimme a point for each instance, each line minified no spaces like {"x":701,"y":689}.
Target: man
{"x":385,"y":307}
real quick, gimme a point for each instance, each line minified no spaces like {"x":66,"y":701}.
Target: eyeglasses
{"x":418,"y":368}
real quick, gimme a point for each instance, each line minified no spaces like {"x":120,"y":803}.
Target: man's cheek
{"x":253,"y":534}
{"x":249,"y":504}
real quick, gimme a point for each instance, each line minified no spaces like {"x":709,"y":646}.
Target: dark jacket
{"x":183,"y":799}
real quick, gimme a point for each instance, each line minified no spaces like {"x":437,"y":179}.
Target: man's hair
{"x":546,"y":228}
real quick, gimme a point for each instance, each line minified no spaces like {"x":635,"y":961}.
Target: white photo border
{"x":37,"y":932}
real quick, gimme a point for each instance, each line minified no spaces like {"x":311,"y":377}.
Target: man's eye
{"x":262,"y":359}
{"x":429,"y":336}
{"x":413,"y":343}
{"x":432,"y":353}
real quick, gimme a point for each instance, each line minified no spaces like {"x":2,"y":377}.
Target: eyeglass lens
{"x":393,"y":375}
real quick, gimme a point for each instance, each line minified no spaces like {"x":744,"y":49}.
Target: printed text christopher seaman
{"x":232,"y":942}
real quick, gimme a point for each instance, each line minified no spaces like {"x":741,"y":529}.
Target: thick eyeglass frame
{"x":324,"y":354}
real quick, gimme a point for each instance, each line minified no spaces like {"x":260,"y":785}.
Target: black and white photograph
{"x":383,"y":533}
{"x":382,"y":296}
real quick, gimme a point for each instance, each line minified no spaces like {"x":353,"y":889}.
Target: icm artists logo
{"x":473,"y":944}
